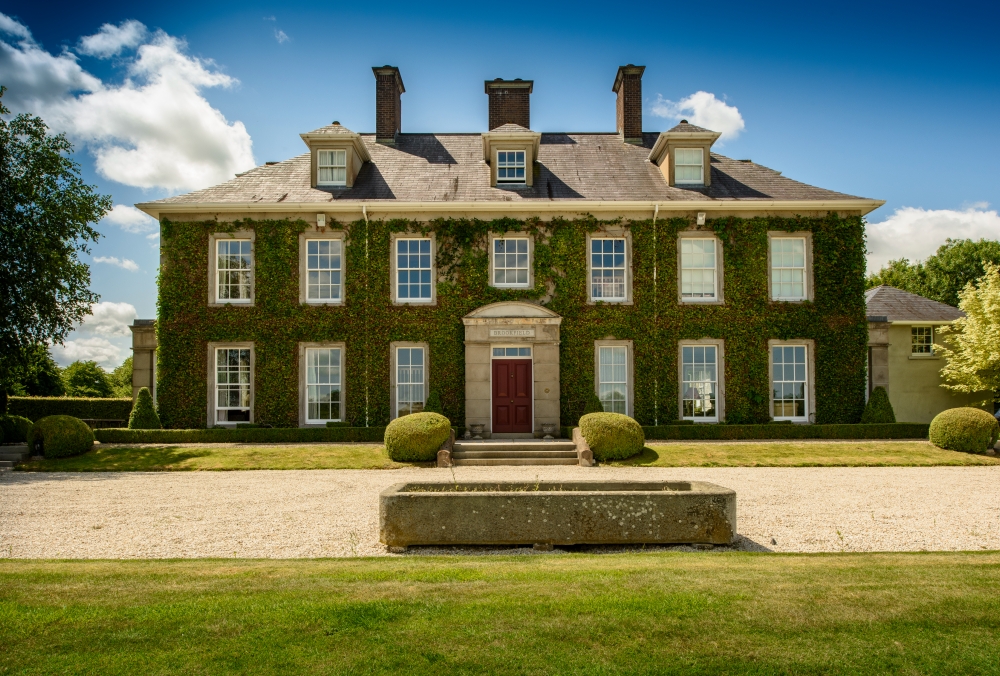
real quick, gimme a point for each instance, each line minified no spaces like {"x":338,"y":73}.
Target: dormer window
{"x":689,"y":166}
{"x":510,"y":166}
{"x":331,"y":167}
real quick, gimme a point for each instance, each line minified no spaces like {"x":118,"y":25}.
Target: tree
{"x":33,"y":372}
{"x":121,"y":379}
{"x":45,"y":216}
{"x":942,"y":276}
{"x":972,"y":344}
{"x":143,"y":416}
{"x":87,"y":379}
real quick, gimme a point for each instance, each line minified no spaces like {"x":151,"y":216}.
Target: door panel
{"x":512,"y":395}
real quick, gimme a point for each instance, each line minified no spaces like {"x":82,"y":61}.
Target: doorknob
{"x":512,"y":401}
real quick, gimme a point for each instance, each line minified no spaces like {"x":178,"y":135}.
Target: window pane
{"x":698,"y":269}
{"x":789,"y":382}
{"x":788,"y":268}
{"x":510,"y":262}
{"x":699,"y":381}
{"x":414,"y":269}
{"x":233,"y":262}
{"x":409,"y":380}
{"x":608,"y":270}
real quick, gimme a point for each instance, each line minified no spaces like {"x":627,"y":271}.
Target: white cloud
{"x":154,"y":130}
{"x":93,"y":339}
{"x":110,"y":40}
{"x":704,"y":110}
{"x":101,"y":350}
{"x":130,"y":219}
{"x":109,"y":319}
{"x":915,"y":233}
{"x":124,"y":263}
{"x":14,"y":27}
{"x":281,"y":36}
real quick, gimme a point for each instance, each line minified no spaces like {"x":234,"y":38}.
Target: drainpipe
{"x":364,"y":212}
{"x":656,"y":318}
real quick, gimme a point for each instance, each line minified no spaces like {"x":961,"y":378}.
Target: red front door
{"x":512,"y":395}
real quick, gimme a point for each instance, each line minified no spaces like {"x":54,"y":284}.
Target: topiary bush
{"x":434,"y":404}
{"x":416,"y":437}
{"x":60,"y":436}
{"x":14,"y":429}
{"x":970,"y":430}
{"x":612,"y":436}
{"x":143,"y":415}
{"x":878,"y":410}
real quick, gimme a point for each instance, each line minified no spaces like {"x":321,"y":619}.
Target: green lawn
{"x":705,"y":613}
{"x":802,"y":454}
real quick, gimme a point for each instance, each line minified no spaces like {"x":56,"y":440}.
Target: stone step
{"x":513,"y":454}
{"x":9,"y":464}
{"x":16,"y":457}
{"x":467,"y":462}
{"x":515,"y":445}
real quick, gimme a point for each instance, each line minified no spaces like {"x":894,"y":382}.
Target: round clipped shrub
{"x":416,"y":437}
{"x":15,"y":429}
{"x":970,"y":430}
{"x":878,"y":410}
{"x":60,"y":436}
{"x":612,"y":436}
{"x":143,"y":416}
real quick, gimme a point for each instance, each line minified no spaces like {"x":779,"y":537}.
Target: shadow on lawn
{"x":645,"y":457}
{"x":146,"y":459}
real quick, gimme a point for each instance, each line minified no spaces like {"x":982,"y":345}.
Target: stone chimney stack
{"x":388,"y":108}
{"x":509,"y":102}
{"x":628,"y":86}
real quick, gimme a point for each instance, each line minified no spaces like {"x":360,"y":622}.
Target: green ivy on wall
{"x":367,"y":321}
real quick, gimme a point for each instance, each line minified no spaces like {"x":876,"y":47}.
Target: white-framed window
{"x":698,"y":269}
{"x":922,"y":340}
{"x":411,"y":374}
{"x":789,"y":382}
{"x":511,"y":261}
{"x":612,"y":378}
{"x":607,"y":269}
{"x":413,"y":270}
{"x":234,"y":261}
{"x":689,"y":166}
{"x":700,"y":382}
{"x":788,"y":268}
{"x":232,"y":385}
{"x":331,"y":167}
{"x":324,"y":263}
{"x":510,"y":166}
{"x":323,"y":384}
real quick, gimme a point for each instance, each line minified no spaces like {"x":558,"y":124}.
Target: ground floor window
{"x":323,"y":378}
{"x":612,"y":387}
{"x":699,"y":382}
{"x":410,"y":380}
{"x":788,"y":382}
{"x":232,"y":385}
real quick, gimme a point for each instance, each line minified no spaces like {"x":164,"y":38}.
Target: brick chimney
{"x":388,"y":108}
{"x":509,"y":102}
{"x":628,"y":86}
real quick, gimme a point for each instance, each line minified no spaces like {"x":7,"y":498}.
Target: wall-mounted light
{"x":320,"y":220}
{"x":701,"y":218}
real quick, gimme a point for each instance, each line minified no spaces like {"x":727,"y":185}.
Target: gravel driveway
{"x":319,"y":513}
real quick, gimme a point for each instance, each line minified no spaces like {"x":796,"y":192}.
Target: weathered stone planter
{"x":556,"y":513}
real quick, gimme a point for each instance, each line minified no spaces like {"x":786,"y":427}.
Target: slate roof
{"x":902,"y":306}
{"x":684,"y":125}
{"x":450,"y":167}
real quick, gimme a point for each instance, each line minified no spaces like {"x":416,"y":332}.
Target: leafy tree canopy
{"x":972,"y":344}
{"x":121,"y":379}
{"x":34,"y":373}
{"x":87,"y":379}
{"x":942,"y":276}
{"x":45,"y":214}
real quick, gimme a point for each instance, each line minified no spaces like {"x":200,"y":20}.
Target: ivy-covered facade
{"x":375,"y":276}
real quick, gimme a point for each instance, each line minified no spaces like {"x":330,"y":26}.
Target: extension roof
{"x":902,"y":306}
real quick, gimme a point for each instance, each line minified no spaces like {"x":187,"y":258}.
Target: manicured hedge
{"x":970,"y":430}
{"x":36,"y":408}
{"x":60,"y":436}
{"x":416,"y":437}
{"x":780,"y":431}
{"x":252,"y":435}
{"x":611,"y":436}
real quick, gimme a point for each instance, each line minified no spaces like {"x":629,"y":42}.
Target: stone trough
{"x":550,"y":513}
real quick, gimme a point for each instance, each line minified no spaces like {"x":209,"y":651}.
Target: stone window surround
{"x":720,"y":298}
{"x":212,"y":347}
{"x":809,"y":264}
{"x":810,"y":377}
{"x":393,"y":372}
{"x":303,"y":399}
{"x":720,"y":397}
{"x":531,"y":258}
{"x":608,"y":233}
{"x":629,"y":370}
{"x":393,"y":281}
{"x":316,"y":233}
{"x":213,"y":263}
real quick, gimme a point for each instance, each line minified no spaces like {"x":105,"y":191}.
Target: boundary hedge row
{"x":779,"y":431}
{"x":35,"y":408}
{"x":250,"y":435}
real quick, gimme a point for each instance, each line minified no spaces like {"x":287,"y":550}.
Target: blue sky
{"x":896,"y":102}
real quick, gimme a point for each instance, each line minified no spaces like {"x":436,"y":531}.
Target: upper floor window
{"x":323,"y":270}
{"x":698,"y":270}
{"x":788,"y":268}
{"x":511,"y":261}
{"x":510,"y":166}
{"x":689,"y":166}
{"x":607,"y":269}
{"x":413,"y":270}
{"x":922,"y":340}
{"x":331,"y":167}
{"x":233,"y":266}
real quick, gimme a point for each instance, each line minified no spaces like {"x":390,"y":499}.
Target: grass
{"x":638,"y":613}
{"x":801,"y":454}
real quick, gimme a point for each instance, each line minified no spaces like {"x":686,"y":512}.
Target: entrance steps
{"x":11,"y":455}
{"x":514,"y":452}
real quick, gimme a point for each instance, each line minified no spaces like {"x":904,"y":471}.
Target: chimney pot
{"x":388,"y":107}
{"x":510,"y":102}
{"x":628,"y":86}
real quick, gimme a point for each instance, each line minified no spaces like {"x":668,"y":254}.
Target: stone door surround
{"x":510,"y":324}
